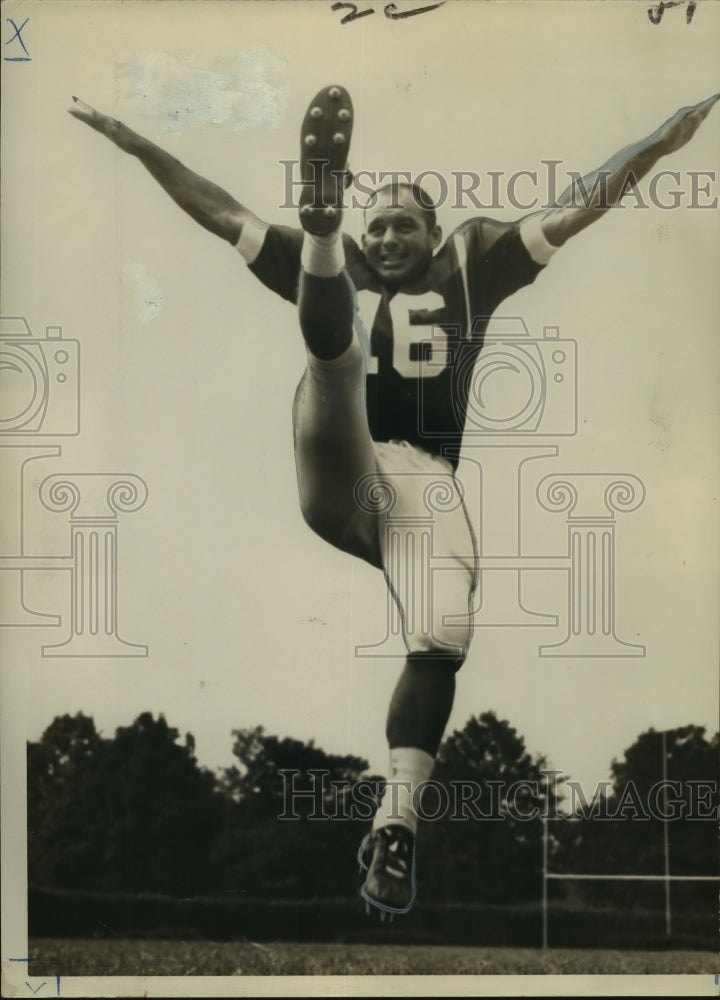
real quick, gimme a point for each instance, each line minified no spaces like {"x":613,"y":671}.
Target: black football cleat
{"x":388,"y":856}
{"x":324,"y":146}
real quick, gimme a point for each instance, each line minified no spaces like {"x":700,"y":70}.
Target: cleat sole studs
{"x":310,"y":140}
{"x":334,"y":93}
{"x":343,"y":114}
{"x":316,"y":112}
{"x":338,"y":138}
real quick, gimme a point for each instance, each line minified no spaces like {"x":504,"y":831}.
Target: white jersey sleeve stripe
{"x":251,"y":240}
{"x":535,"y":241}
{"x":461,"y":251}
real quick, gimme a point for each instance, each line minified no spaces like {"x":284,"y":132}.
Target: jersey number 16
{"x":419,"y":349}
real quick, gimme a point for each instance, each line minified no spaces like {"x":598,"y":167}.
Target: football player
{"x":392,"y":328}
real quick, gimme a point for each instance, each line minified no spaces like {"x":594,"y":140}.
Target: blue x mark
{"x":18,"y":35}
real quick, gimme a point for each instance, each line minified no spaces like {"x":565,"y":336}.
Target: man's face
{"x":397,"y":243}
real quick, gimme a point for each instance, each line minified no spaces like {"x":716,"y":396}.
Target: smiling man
{"x":392,"y":329}
{"x":401,"y":234}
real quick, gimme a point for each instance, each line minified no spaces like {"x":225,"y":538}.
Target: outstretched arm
{"x":590,"y":197}
{"x":207,"y":203}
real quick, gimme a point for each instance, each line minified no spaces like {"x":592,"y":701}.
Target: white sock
{"x":409,"y":767}
{"x":323,"y":256}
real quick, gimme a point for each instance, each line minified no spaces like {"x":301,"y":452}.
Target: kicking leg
{"x":333,"y":447}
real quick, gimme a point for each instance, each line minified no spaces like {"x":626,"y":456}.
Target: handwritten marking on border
{"x":18,"y":36}
{"x":58,"y":979}
{"x":390,"y":10}
{"x":656,"y":13}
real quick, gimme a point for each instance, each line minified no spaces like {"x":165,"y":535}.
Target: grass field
{"x":53,"y":957}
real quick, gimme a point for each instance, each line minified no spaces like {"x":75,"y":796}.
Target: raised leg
{"x":333,"y":447}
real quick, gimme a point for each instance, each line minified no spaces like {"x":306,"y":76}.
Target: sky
{"x":188,"y":367}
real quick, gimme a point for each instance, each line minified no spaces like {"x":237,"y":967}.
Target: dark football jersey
{"x":424,"y":340}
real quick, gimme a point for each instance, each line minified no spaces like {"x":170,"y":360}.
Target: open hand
{"x":109,"y":127}
{"x":683,"y":125}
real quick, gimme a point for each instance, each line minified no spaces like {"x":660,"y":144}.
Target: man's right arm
{"x":208,"y":204}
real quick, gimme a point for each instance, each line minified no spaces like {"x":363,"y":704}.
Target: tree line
{"x":136,"y":813}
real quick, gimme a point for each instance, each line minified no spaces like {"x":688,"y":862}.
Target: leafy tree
{"x":487,"y":843}
{"x":132,"y":813}
{"x":58,"y":771}
{"x":294,"y":828}
{"x":136,"y":813}
{"x":653,"y":808}
{"x":263,"y":779}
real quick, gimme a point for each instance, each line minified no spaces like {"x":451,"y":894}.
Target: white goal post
{"x":666,"y":877}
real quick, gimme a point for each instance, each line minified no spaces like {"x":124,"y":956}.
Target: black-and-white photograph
{"x":359,"y":380}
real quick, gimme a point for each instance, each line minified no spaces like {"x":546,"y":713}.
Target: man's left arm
{"x":587,"y":199}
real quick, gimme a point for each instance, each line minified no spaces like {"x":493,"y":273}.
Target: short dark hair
{"x":422,"y":199}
